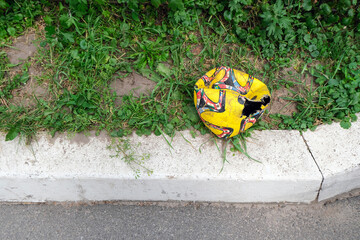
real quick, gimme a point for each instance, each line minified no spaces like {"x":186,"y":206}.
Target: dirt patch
{"x":22,"y":49}
{"x":280,"y":105}
{"x":294,"y":84}
{"x":255,"y":61}
{"x":196,"y":50}
{"x":26,"y":95}
{"x":193,"y":55}
{"x":134,"y":84}
{"x":32,"y":86}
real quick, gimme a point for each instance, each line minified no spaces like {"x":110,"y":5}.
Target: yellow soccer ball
{"x":230,"y":101}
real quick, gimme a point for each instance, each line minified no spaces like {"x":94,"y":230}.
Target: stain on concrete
{"x":79,"y":138}
{"x":81,"y":191}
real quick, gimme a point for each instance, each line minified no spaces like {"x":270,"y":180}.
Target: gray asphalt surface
{"x":336,"y":220}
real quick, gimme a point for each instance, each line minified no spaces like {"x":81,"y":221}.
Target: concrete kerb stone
{"x":337,"y":153}
{"x":63,"y":169}
{"x":80,"y":168}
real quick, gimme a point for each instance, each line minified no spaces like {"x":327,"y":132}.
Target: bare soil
{"x":301,"y":84}
{"x":280,"y":105}
{"x":196,"y":50}
{"x":26,"y":95}
{"x":134,"y":84}
{"x":22,"y":51}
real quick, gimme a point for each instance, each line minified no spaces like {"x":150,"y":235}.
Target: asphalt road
{"x":336,"y":220}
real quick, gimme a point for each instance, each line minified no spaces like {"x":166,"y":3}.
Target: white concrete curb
{"x":81,"y":168}
{"x":337,"y":153}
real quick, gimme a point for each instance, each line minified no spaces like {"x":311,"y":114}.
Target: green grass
{"x":85,"y":43}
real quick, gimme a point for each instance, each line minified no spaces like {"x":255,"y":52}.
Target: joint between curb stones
{"x":322,"y":175}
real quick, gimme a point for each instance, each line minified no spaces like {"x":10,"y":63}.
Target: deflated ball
{"x":230,"y":101}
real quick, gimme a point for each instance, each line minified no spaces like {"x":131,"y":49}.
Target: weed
{"x":15,"y":17}
{"x":128,"y":153}
{"x":276,"y":20}
{"x":149,"y":53}
{"x":12,"y":84}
